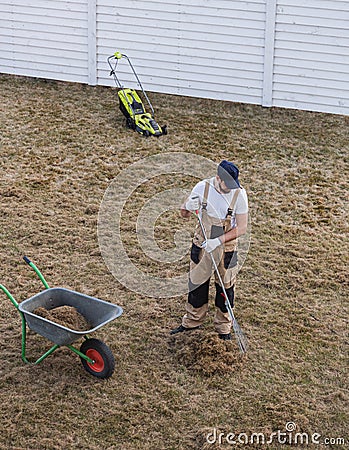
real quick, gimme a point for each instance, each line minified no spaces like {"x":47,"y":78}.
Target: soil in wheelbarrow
{"x":205,"y":353}
{"x":68,"y":316}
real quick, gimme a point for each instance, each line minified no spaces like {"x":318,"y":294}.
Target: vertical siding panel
{"x":268,"y":70}
{"x":311,"y":64}
{"x":210,"y":38}
{"x":148,"y":33}
{"x":210,"y":49}
{"x":92,"y":42}
{"x":34,"y":38}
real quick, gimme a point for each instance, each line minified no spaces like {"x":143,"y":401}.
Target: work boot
{"x":181,"y":328}
{"x":225,"y":337}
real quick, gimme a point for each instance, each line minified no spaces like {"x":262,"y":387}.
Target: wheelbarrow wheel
{"x":104,"y":363}
{"x":130,"y":123}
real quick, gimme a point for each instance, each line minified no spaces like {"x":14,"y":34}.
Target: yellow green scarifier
{"x":131,"y":105}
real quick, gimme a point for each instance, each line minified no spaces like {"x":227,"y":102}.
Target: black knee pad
{"x":220,"y":299}
{"x":198,"y":296}
{"x":230,"y":259}
{"x":195,"y":253}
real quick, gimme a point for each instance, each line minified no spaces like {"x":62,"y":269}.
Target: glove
{"x":193,"y":204}
{"x":211,"y":244}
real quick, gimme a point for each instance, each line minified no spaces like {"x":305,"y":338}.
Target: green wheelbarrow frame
{"x":64,"y":335}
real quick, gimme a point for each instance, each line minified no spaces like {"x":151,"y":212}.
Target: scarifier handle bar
{"x":118,"y":56}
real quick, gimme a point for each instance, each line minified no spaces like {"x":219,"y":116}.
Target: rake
{"x":240,"y":337}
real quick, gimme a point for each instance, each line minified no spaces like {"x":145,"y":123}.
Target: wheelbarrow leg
{"x":82,"y":355}
{"x":24,"y":340}
{"x":24,"y":331}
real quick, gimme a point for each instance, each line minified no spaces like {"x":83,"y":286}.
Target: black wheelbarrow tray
{"x":95,"y":355}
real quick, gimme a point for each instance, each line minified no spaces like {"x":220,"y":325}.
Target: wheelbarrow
{"x":96,"y":357}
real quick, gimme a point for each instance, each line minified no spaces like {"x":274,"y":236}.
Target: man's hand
{"x":211,"y":244}
{"x":193,"y":204}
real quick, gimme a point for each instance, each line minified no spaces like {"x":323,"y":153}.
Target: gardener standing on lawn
{"x":224,"y":207}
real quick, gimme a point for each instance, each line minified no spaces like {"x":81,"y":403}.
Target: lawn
{"x":61,"y":147}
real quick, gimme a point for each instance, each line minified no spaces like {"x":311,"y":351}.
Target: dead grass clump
{"x":68,"y":316}
{"x":207,"y":354}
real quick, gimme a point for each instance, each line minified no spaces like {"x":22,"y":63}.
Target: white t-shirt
{"x":217,"y":203}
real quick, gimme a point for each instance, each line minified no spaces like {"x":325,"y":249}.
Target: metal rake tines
{"x":240,"y":337}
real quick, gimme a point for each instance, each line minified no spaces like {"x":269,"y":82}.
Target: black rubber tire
{"x":104,"y":359}
{"x":130,"y":123}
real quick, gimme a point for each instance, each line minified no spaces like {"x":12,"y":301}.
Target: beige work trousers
{"x":199,"y":276}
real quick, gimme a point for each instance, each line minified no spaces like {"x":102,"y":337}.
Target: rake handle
{"x":238,"y":333}
{"x":216,"y":270}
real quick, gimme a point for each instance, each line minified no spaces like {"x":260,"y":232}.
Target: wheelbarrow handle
{"x":2,"y":287}
{"x":39,"y":274}
{"x":27,"y":260}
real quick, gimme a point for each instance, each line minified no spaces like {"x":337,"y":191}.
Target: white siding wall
{"x":287,"y":53}
{"x":311,"y":65}
{"x":200,"y":48}
{"x":44,"y":38}
{"x":148,"y":33}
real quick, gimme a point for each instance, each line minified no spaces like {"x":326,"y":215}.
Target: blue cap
{"x":229,"y":173}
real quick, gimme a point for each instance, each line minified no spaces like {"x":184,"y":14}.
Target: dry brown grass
{"x":61,"y":145}
{"x":68,"y":316}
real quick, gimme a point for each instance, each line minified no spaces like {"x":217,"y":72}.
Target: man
{"x":223,"y":206}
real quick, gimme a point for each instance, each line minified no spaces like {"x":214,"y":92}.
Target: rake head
{"x":240,"y":337}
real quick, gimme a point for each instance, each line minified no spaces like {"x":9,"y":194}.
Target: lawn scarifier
{"x":96,"y":357}
{"x":131,"y":104}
